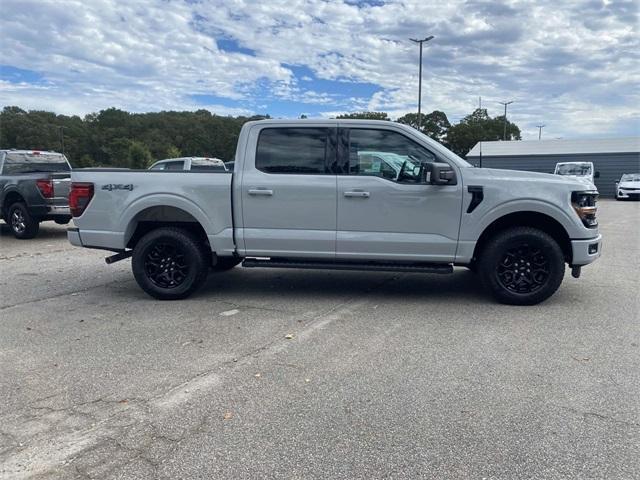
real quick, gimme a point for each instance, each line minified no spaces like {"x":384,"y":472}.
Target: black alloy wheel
{"x":165,"y":265}
{"x":521,"y":265}
{"x":523,"y":269}
{"x":170,"y":263}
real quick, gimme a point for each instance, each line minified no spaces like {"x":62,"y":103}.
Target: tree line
{"x":116,"y":138}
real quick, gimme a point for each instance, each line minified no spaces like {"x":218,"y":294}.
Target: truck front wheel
{"x":522,"y":266}
{"x":170,"y":263}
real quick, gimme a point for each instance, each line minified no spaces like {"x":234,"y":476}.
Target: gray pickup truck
{"x":335,"y":194}
{"x":34,"y":187}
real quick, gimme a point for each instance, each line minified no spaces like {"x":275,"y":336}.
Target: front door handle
{"x":357,"y":194}
{"x":260,"y":191}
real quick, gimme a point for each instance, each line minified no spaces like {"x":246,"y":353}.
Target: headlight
{"x":584,"y":203}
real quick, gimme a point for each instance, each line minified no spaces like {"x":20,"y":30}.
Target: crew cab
{"x":34,"y":186}
{"x":310,"y":194}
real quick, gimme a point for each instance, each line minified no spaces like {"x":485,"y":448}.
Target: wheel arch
{"x":9,"y":198}
{"x":157,"y":216}
{"x":533,"y":219}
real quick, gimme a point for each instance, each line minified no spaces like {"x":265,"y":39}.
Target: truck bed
{"x":123,"y":199}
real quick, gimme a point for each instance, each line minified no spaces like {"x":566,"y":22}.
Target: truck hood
{"x":572,"y":183}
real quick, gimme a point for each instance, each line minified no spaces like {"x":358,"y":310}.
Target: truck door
{"x":385,"y":209}
{"x":288,"y":193}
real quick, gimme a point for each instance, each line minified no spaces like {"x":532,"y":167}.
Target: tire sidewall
{"x":495,"y":252}
{"x":188,"y":245}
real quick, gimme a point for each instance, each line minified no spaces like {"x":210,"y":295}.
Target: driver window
{"x":386,"y":154}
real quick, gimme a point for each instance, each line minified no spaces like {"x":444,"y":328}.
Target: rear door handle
{"x":260,"y":191}
{"x":358,"y":194}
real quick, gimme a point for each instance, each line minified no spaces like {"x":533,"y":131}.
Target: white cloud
{"x":573,"y":65}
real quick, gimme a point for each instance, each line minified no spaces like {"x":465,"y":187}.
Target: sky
{"x":570,"y":65}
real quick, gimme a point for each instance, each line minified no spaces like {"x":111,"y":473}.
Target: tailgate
{"x":61,"y":185}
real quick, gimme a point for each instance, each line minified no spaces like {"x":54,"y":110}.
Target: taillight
{"x":45,"y":187}
{"x":79,"y":197}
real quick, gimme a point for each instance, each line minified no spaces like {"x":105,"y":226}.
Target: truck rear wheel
{"x":170,"y":263}
{"x":22,"y":224}
{"x":522,"y":266}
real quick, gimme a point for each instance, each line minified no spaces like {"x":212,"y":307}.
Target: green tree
{"x":434,"y":124}
{"x":172,"y":152}
{"x":478,"y":126}
{"x":139,"y":156}
{"x":365,"y":116}
{"x":85,"y":162}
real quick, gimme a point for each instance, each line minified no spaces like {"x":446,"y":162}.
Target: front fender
{"x":472,"y":228}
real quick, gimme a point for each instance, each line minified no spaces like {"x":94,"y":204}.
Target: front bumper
{"x":586,"y":251}
{"x":628,"y":194}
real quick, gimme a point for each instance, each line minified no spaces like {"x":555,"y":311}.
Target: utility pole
{"x":61,"y":129}
{"x":420,"y":42}
{"x":540,"y":127}
{"x":479,"y":103}
{"x":504,"y":134}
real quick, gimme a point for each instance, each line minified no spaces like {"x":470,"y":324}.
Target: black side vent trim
{"x":477,"y":197}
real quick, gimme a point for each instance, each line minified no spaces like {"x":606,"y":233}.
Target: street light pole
{"x":540,"y":127}
{"x":61,"y":128}
{"x":420,"y":42}
{"x":504,"y":134}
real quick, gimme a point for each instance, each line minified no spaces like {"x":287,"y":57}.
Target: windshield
{"x":630,"y":177}
{"x":579,"y":169}
{"x":15,"y":162}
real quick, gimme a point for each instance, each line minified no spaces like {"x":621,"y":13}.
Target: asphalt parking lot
{"x":385,"y":375}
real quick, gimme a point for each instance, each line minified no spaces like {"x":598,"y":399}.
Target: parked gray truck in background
{"x":335,"y":194}
{"x":34,"y":186}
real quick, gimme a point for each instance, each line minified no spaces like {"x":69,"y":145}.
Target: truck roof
{"x":40,"y":152}
{"x":323,"y":121}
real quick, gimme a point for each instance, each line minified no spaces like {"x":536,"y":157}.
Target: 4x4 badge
{"x":118,"y":186}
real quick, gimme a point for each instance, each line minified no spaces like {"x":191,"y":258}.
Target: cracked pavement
{"x":386,"y":375}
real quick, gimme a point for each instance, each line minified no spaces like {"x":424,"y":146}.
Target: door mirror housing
{"x":596,"y":175}
{"x":440,"y":174}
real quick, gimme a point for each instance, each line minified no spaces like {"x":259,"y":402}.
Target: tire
{"x":225,"y":263}
{"x":522,"y":266}
{"x":164,"y":249}
{"x":62,"y":220}
{"x":22,"y":224}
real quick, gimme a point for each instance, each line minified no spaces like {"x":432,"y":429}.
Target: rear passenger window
{"x":174,"y":165}
{"x":293,"y":150}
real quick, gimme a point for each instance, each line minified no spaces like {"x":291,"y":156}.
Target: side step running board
{"x":372,"y":266}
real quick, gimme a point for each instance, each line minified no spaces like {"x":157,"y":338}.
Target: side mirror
{"x":617,"y":182}
{"x":440,"y":174}
{"x":596,"y":175}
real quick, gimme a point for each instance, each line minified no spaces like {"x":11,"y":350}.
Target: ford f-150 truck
{"x":34,"y":187}
{"x":336,"y":194}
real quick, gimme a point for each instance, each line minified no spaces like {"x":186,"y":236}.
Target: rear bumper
{"x":59,"y":210}
{"x":586,"y":251}
{"x":73,"y":235}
